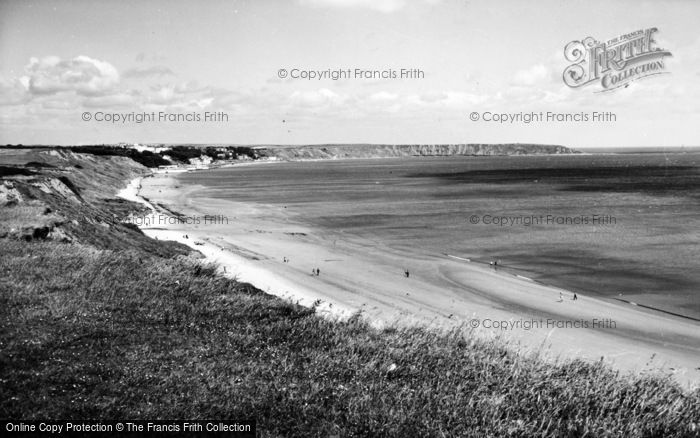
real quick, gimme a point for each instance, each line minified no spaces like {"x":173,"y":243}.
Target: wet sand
{"x":442,"y":291}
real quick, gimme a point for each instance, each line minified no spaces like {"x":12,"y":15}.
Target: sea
{"x":619,"y":226}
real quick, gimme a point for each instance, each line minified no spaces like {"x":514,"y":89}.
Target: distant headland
{"x":340,"y":151}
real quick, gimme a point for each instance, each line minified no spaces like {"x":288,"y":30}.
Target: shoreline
{"x":447,"y":294}
{"x":231,"y":264}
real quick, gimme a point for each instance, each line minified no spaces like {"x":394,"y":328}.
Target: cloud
{"x":59,"y":104}
{"x":318,"y":98}
{"x":153,"y":58}
{"x":328,"y":104}
{"x":383,"y":96}
{"x":83,"y":75}
{"x":386,"y":6}
{"x":531,"y":76}
{"x":183,"y":96}
{"x":111,"y":101}
{"x":445,"y":100}
{"x":52,"y":84}
{"x":164,"y":95}
{"x":433,"y":96}
{"x":13,"y":92}
{"x":148,"y":72}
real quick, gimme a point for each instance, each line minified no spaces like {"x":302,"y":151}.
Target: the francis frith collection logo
{"x":616,"y":62}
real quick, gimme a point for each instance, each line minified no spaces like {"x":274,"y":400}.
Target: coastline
{"x":445,"y":292}
{"x":231,"y":263}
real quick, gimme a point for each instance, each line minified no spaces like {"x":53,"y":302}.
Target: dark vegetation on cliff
{"x":174,"y":155}
{"x":107,"y":323}
{"x":183,"y":154}
{"x":145,"y":158}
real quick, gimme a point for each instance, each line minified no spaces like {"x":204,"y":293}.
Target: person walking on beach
{"x":561,"y":297}
{"x":318,"y":272}
{"x":406,"y":273}
{"x":575,"y":297}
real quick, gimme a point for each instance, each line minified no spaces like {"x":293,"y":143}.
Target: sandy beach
{"x":442,"y":290}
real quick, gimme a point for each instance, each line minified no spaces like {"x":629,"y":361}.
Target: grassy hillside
{"x":90,"y":333}
{"x":93,"y":328}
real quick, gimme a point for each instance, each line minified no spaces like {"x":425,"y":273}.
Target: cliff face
{"x":51,"y":194}
{"x":340,"y":151}
{"x":69,"y":197}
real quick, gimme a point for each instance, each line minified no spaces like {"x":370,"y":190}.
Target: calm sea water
{"x":625,"y":226}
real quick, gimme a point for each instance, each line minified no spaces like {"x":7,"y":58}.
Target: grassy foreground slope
{"x":90,"y":333}
{"x":93,"y":331}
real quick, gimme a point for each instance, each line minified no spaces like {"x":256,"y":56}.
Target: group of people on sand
{"x":561,"y":297}
{"x":314,"y":271}
{"x":494,"y":263}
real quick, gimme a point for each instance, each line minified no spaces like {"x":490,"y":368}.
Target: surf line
{"x":632,"y":303}
{"x":458,"y":258}
{"x":509,"y":273}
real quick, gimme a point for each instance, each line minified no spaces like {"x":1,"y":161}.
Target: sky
{"x":83,"y":72}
